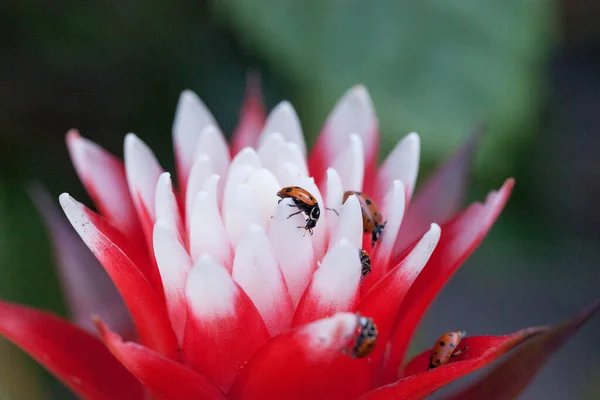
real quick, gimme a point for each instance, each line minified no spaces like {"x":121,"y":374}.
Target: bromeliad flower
{"x":232,"y":297}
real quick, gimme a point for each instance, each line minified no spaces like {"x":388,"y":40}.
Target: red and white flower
{"x":230,"y":299}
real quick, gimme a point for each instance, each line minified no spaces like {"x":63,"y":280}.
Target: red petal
{"x":252,"y":115}
{"x":509,"y":379}
{"x":163,"y":378}
{"x":223,"y":328}
{"x":103,"y":176}
{"x":440,"y":197}
{"x":384,"y":300}
{"x":482,"y":351}
{"x":306,"y":363}
{"x":75,"y":357}
{"x":460,"y":237}
{"x":88,"y":289}
{"x":147,"y":307}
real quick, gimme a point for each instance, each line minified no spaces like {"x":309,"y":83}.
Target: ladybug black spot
{"x":438,"y":361}
{"x":311,"y":198}
{"x":442,"y":344}
{"x":368,"y":202}
{"x":289,"y":190}
{"x":365,"y":231}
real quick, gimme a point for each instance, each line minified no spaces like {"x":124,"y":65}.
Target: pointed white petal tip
{"x":350,"y":224}
{"x":351,"y":164}
{"x":246,"y":156}
{"x":188,"y":95}
{"x":131,"y":140}
{"x":360,"y":92}
{"x":172,"y":259}
{"x":333,"y":332}
{"x":284,"y":119}
{"x":338,"y":277}
{"x":65,"y":199}
{"x":416,"y":260}
{"x":191,"y":106}
{"x":433,"y":236}
{"x":413,"y":136}
{"x":210,"y":290}
{"x":164,"y":180}
{"x":136,"y":151}
{"x":207,"y":233}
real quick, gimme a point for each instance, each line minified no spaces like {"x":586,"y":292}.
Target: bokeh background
{"x":529,"y":69}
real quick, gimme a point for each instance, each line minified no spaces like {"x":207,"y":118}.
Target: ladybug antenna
{"x":334,"y":210}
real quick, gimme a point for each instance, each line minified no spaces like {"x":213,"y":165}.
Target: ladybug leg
{"x":296,"y":213}
{"x":457,"y":352}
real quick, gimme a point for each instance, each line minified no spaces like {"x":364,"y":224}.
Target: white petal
{"x":207,"y":233}
{"x":283,"y":119}
{"x":353,"y":113}
{"x":331,"y":332}
{"x":264,"y":187}
{"x":350,"y":164}
{"x":174,"y":265}
{"x":270,"y":148}
{"x":293,"y":248}
{"x":275,"y":151}
{"x":420,"y":254}
{"x":142,"y":171}
{"x":256,"y":270}
{"x":243,"y":164}
{"x":202,"y":170}
{"x":292,"y":152}
{"x":338,"y":278}
{"x":210,"y":291}
{"x":242,"y":211}
{"x":166,"y":204}
{"x":319,"y":238}
{"x":350,"y":225}
{"x":334,"y":195}
{"x":394,"y":205}
{"x":211,"y":143}
{"x":402,"y":164}
{"x":191,"y":117}
{"x":246,"y":156}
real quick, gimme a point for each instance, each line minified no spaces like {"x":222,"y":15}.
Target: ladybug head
{"x":377,"y":233}
{"x":310,"y":224}
{"x":314,"y":215}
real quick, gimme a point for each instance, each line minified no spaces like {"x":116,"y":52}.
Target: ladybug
{"x":446,"y":347}
{"x":372,"y":218}
{"x":367,"y":337}
{"x":304,"y":202}
{"x":365,"y":262}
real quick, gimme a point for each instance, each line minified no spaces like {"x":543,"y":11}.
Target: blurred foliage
{"x":430,"y":66}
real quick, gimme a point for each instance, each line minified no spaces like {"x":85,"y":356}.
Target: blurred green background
{"x":529,"y":69}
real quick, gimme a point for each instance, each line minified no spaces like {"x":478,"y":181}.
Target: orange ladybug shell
{"x":370,"y":213}
{"x":297,"y":193}
{"x":367,"y":338}
{"x":445,"y":346}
